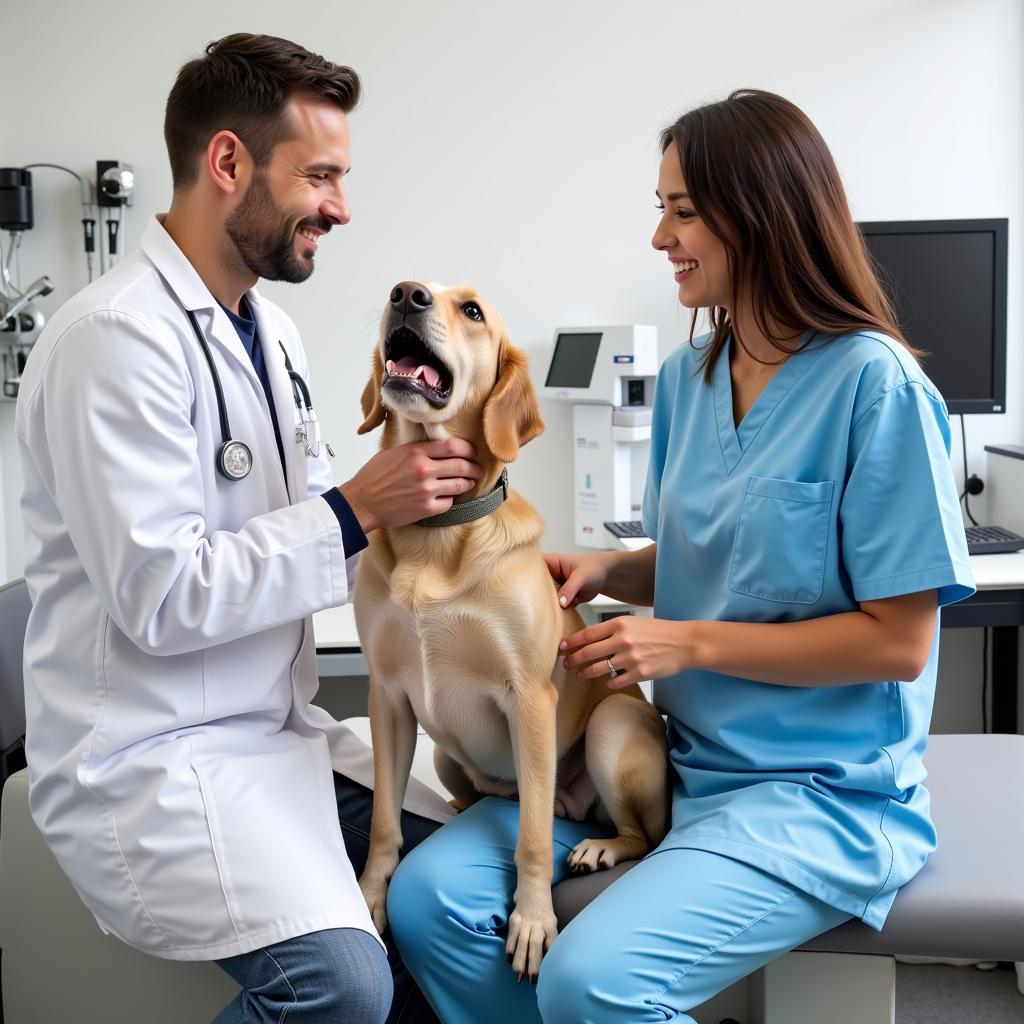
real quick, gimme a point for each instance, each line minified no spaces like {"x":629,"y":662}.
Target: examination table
{"x":968,"y":902}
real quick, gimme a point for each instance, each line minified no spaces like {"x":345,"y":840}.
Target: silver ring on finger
{"x":612,"y":670}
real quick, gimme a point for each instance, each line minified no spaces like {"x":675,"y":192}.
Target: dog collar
{"x":467,"y":511}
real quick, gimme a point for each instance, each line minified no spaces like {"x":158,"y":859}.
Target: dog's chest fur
{"x":430,"y":566}
{"x":456,"y":627}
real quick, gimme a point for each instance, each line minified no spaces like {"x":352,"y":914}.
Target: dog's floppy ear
{"x":511,"y":415}
{"x":373,"y":411}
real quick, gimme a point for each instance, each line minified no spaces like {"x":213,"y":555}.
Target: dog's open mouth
{"x":411,"y":367}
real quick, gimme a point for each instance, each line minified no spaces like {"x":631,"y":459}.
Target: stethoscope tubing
{"x":222,"y":412}
{"x":234,"y":458}
{"x":299,"y":390}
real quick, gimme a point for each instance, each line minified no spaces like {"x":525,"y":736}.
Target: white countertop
{"x":335,"y":629}
{"x":998,"y":572}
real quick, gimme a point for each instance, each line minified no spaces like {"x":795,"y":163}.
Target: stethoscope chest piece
{"x":234,"y":459}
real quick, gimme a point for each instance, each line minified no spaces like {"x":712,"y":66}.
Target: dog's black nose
{"x":411,"y":297}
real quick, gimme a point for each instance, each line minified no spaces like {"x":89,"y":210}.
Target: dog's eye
{"x":472,"y":310}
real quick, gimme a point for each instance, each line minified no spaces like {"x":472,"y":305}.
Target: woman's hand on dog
{"x":639,"y":648}
{"x":411,"y":481}
{"x":626,"y":576}
{"x":579,"y":577}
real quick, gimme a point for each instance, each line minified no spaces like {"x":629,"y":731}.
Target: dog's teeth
{"x":390,"y":366}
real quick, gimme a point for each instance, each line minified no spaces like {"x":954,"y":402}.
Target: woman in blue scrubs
{"x":807,"y":532}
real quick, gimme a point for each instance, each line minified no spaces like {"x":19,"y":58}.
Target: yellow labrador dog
{"x":461,"y":625}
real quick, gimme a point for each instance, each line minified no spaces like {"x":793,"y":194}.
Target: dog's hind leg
{"x":627,"y":762}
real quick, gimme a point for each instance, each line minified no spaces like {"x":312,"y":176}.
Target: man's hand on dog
{"x":400,"y":485}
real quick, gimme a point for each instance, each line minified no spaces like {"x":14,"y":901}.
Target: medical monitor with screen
{"x":572,"y":363}
{"x":947,"y":282}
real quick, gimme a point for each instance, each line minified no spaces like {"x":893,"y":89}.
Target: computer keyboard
{"x":627,"y":529}
{"x":992,"y":540}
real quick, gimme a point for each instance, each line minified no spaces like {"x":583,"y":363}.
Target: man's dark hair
{"x":242,"y":83}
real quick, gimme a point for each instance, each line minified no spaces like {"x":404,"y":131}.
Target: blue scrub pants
{"x":669,"y":934}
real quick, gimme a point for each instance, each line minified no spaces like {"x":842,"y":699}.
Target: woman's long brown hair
{"x":762,"y":179}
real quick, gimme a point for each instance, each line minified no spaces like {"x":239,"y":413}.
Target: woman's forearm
{"x":850,"y":647}
{"x":631,"y":576}
{"x":890,"y":638}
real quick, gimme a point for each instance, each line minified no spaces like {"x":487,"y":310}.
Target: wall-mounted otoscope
{"x":39,"y":287}
{"x":115,"y":184}
{"x":20,"y":319}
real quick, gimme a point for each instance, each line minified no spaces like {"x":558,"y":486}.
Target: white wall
{"x":516,"y":148}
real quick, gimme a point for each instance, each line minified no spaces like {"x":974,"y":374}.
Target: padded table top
{"x":968,"y":900}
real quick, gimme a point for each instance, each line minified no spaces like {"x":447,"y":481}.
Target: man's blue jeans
{"x":336,"y":976}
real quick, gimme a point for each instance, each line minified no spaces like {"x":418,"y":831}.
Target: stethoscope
{"x":234,"y":457}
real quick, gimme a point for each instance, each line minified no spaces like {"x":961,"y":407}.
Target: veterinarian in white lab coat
{"x":178,"y":771}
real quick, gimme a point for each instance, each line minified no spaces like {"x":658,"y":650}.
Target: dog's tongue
{"x":408,"y":366}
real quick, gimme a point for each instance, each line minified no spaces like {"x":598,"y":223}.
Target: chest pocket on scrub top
{"x":781,"y":540}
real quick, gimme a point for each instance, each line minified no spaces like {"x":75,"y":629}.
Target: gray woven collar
{"x":470,"y":510}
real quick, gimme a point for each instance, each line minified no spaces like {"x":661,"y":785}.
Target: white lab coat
{"x":178,"y":770}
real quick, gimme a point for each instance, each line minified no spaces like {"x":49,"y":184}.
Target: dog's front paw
{"x":375,"y":891}
{"x":597,"y":854}
{"x":529,"y":937}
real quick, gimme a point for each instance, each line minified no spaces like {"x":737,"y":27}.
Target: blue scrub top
{"x":836,"y":488}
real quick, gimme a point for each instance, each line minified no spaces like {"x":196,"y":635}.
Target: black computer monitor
{"x":573,"y":361}
{"x":947,"y":281}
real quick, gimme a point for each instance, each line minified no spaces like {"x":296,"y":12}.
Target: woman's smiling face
{"x":699,"y":260}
